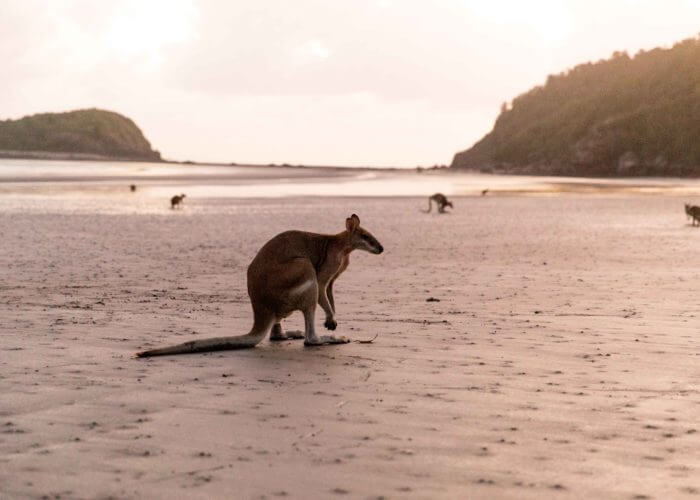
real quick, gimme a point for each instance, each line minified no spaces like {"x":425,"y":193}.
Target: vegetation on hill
{"x":618,"y":117}
{"x":87,"y":131}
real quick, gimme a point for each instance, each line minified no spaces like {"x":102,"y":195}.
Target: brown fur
{"x":693,"y":212}
{"x":176,"y":200}
{"x":293,"y":271}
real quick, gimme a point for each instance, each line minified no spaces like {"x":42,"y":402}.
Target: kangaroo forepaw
{"x":330,"y":324}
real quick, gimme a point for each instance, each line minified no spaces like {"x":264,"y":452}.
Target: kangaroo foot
{"x":288,"y":335}
{"x":330,"y":324}
{"x":326,"y":339}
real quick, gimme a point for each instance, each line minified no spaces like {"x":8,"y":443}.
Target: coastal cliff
{"x":82,"y":134}
{"x":624,"y":116}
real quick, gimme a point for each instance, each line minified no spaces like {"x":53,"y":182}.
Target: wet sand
{"x":57,"y":184}
{"x":527,"y":347}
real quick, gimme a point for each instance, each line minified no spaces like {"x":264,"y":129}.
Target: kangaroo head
{"x":361,"y":239}
{"x":448,"y":204}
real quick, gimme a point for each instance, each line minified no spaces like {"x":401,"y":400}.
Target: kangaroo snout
{"x":378,"y":250}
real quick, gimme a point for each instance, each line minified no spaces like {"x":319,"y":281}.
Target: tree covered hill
{"x":617,"y":117}
{"x":85,"y":132}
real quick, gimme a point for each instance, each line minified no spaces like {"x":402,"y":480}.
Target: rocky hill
{"x":624,"y":116}
{"x":81,"y":134}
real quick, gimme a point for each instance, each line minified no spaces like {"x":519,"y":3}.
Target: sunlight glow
{"x":310,"y":51}
{"x":145,"y":28}
{"x":549,"y":20}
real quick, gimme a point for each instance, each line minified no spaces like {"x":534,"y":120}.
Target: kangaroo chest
{"x":334,"y":265}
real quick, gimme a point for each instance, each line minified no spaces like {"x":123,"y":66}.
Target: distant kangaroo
{"x":176,"y":200}
{"x":293,"y":271}
{"x":693,"y":212}
{"x":441,"y":202}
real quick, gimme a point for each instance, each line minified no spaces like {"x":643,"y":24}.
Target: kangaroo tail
{"x":251,"y":339}
{"x":430,"y":206}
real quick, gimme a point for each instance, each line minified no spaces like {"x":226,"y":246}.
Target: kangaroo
{"x":441,"y":202}
{"x":132,"y":187}
{"x":176,"y":200}
{"x":293,"y":271}
{"x":692,"y":212}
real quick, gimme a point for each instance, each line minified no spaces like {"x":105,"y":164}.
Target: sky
{"x":314,"y":82}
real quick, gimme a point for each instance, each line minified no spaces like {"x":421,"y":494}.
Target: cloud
{"x":312,"y":81}
{"x":310,"y":51}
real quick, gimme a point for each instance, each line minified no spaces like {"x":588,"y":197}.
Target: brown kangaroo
{"x":176,"y":200}
{"x":692,"y":212}
{"x":440,"y":200}
{"x":293,"y":271}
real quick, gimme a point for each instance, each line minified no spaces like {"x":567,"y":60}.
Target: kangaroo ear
{"x":352,"y":223}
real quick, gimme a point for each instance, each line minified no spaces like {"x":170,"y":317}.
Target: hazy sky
{"x":356,"y":82}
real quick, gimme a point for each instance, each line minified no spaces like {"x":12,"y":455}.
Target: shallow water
{"x":86,"y":186}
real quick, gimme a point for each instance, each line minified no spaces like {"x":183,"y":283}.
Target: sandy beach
{"x":527,"y":347}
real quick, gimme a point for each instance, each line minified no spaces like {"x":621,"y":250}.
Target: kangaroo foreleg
{"x":327,"y":308}
{"x":331,"y":300}
{"x":343,"y":266}
{"x":311,"y":338}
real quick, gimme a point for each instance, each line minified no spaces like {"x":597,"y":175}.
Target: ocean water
{"x":32,"y":185}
